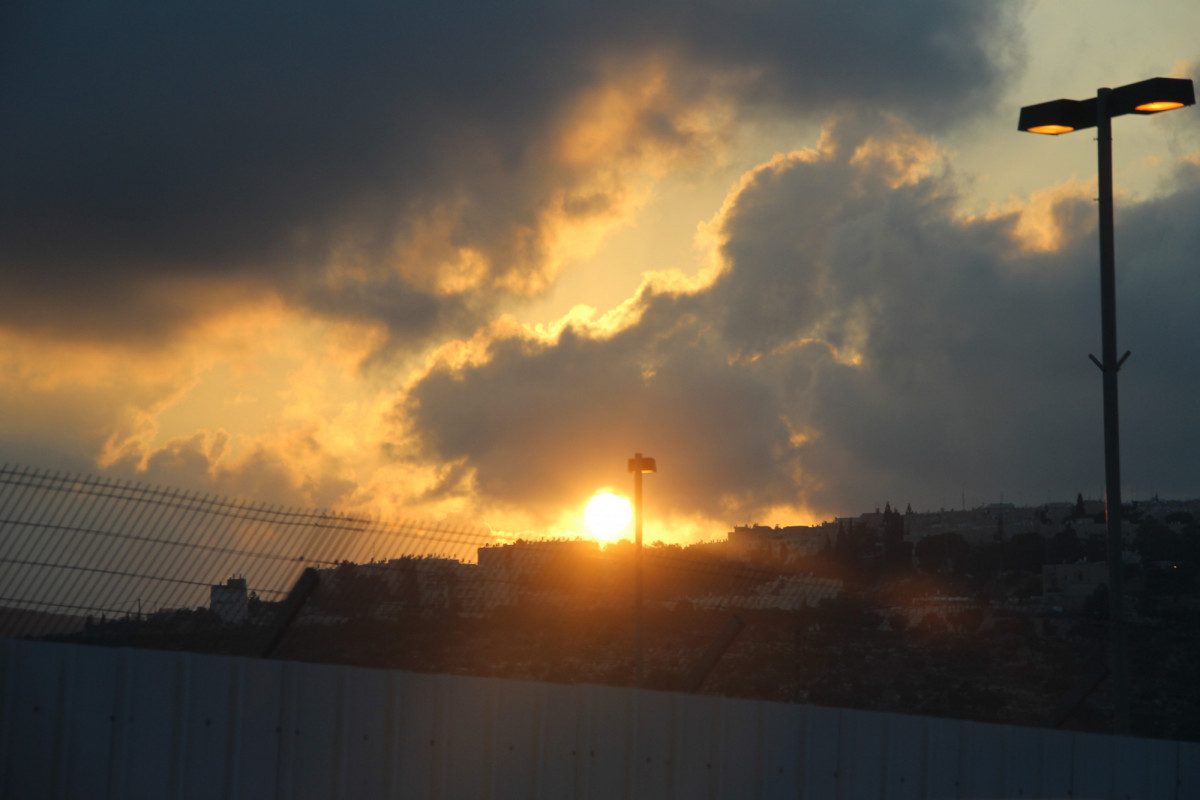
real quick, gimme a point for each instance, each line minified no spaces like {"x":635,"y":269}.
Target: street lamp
{"x":1063,"y":116}
{"x":638,"y":465}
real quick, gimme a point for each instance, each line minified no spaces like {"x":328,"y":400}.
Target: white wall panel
{"x":1098,"y":752}
{"x":257,"y":751}
{"x":88,"y":725}
{"x":155,"y":688}
{"x":981,"y":758}
{"x":1022,"y":770}
{"x":94,"y":722}
{"x":942,"y":759}
{"x":782,"y":738}
{"x":861,"y":742}
{"x":562,"y":741}
{"x":1057,"y":747}
{"x":316,"y":739}
{"x":1144,"y":769}
{"x":822,"y":750}
{"x":738,"y":748}
{"x":468,"y":723}
{"x":517,"y":709}
{"x":29,"y":749}
{"x":419,"y":752}
{"x":653,"y":756}
{"x":697,"y":750}
{"x":209,"y":727}
{"x":368,"y":729}
{"x":1187,"y":768}
{"x":904,"y":770}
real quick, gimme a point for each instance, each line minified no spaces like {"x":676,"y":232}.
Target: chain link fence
{"x":115,"y":563}
{"x":93,"y":559}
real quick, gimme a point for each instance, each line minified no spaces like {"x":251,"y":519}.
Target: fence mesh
{"x":117,"y":563}
{"x":74,"y":547}
{"x":112,"y":562}
{"x":77,"y":551}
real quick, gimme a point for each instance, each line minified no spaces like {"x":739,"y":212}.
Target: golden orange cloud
{"x":264,"y":394}
{"x":902,"y":155}
{"x":1042,"y":222}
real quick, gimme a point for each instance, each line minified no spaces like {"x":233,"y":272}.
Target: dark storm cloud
{"x":972,"y":374}
{"x":540,"y":422}
{"x":153,"y":146}
{"x":1158,"y":283}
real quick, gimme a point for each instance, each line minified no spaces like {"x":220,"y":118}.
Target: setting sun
{"x":607,"y":515}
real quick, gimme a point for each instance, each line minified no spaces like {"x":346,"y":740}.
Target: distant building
{"x":978,"y":526}
{"x":230,"y":601}
{"x":524,"y":557}
{"x":749,"y":542}
{"x":1070,"y":585}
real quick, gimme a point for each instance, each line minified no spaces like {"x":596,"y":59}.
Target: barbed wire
{"x":83,"y":543}
{"x":109,"y":561}
{"x":89,"y":546}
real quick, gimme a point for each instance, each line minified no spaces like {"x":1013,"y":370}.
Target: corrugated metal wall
{"x":85,"y":722}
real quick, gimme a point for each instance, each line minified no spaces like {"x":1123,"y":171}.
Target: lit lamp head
{"x":1144,"y":97}
{"x":641,"y":464}
{"x":1058,"y":116}
{"x":1154,"y":95}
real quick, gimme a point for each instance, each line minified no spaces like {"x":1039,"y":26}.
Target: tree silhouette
{"x":942,"y":552}
{"x":1025,"y":552}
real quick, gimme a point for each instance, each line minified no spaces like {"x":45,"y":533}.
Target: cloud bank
{"x":268,"y":250}
{"x":864,"y":342}
{"x":408,"y":162}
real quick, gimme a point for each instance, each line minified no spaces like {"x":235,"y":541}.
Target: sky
{"x":460,"y":261}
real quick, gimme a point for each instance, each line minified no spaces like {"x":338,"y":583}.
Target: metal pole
{"x":1110,"y":365}
{"x":637,"y":569}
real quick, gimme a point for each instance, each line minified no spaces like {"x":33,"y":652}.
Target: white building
{"x":1070,"y":585}
{"x":747,"y":542}
{"x":230,"y":600}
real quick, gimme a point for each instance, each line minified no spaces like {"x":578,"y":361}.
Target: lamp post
{"x":1063,"y":116}
{"x":638,"y":465}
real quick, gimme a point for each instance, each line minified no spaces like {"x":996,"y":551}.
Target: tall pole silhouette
{"x":1063,"y":116}
{"x":1110,"y":365}
{"x":638,"y":465}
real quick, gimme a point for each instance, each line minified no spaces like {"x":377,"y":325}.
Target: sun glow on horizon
{"x":607,"y":515}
